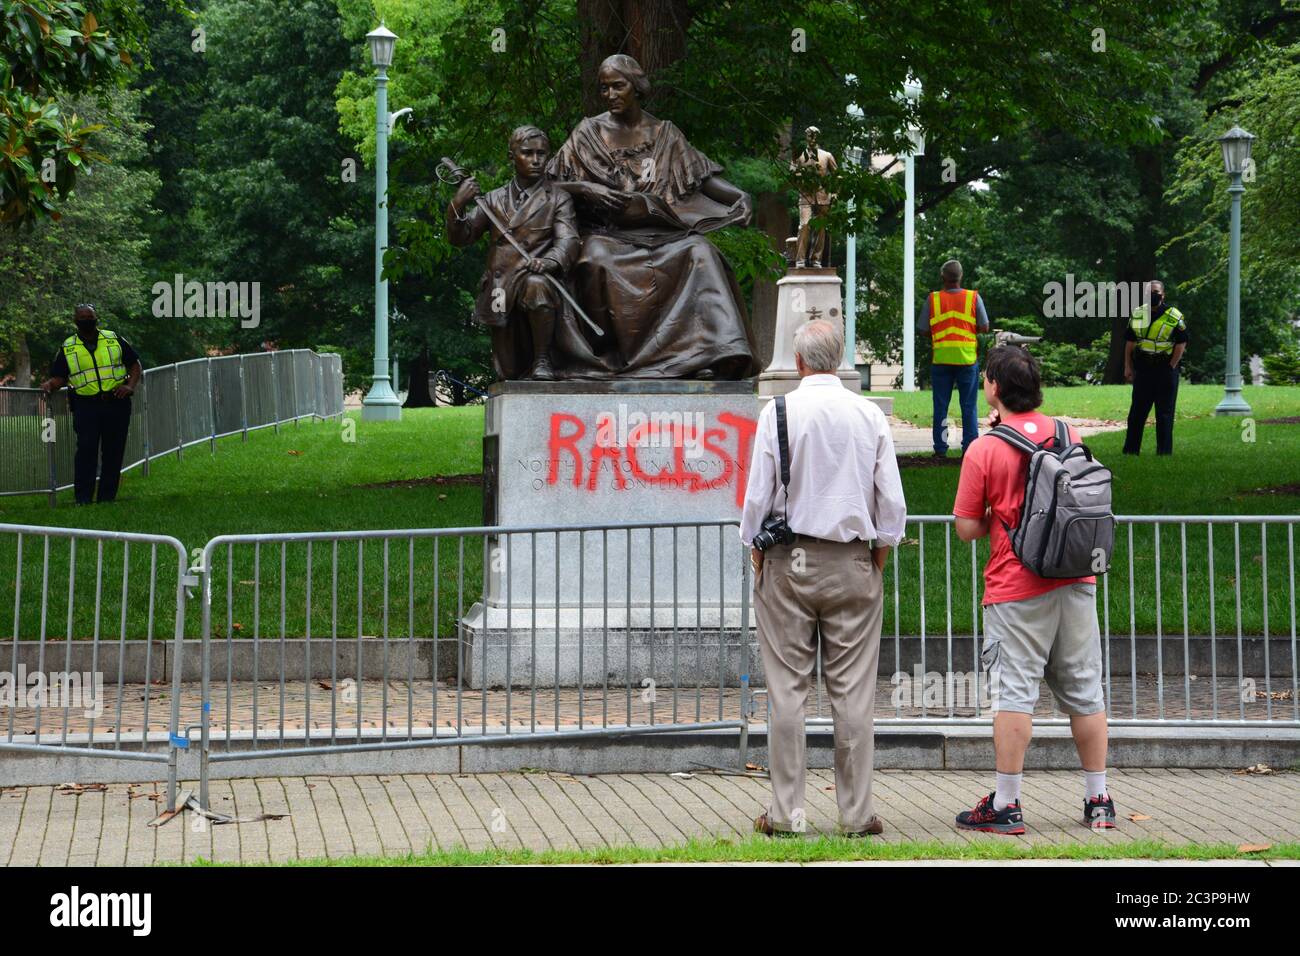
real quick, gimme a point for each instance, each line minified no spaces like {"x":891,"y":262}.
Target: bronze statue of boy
{"x":516,"y":299}
{"x":814,"y":201}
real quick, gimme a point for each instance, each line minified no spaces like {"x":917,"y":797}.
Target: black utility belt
{"x":1156,"y":358}
{"x":99,"y":397}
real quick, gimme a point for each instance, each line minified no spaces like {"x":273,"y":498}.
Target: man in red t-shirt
{"x":1034,"y":627}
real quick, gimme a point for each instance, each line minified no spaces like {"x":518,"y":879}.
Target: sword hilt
{"x":454,"y":175}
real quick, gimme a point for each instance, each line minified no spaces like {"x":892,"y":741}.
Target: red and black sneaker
{"x":1099,"y":813}
{"x":983,"y":817}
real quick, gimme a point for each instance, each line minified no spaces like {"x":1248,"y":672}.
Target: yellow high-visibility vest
{"x":1154,"y":337}
{"x":952,"y":327}
{"x":90,"y":373}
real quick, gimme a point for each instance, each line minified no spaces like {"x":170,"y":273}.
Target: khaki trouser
{"x":835,"y":588}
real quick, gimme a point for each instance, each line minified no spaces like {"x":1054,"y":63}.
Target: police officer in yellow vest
{"x":102,"y":370}
{"x":1154,"y":344}
{"x":951,"y":318}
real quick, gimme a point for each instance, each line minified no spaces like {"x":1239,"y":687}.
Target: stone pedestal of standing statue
{"x":803,"y":295}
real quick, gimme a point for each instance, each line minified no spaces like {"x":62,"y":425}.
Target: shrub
{"x":1283,"y":366}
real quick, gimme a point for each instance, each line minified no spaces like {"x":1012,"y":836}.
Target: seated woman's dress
{"x":664,"y":295}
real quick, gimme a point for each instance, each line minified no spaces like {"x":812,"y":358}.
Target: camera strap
{"x":783,"y":444}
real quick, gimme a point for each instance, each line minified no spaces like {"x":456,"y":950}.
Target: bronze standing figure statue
{"x":811,"y":250}
{"x":534,"y":238}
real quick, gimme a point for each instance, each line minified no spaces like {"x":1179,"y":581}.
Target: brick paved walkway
{"x":344,"y":816}
{"x":399,"y":704}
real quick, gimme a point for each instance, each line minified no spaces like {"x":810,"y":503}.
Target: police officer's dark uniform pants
{"x":1154,"y":383}
{"x":101,"y":425}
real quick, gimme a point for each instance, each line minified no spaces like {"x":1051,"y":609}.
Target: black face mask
{"x":1156,"y":299}
{"x":86,"y":326}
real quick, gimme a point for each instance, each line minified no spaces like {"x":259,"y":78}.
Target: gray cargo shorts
{"x":1053,"y":636}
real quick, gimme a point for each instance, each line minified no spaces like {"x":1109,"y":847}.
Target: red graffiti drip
{"x":561,"y":442}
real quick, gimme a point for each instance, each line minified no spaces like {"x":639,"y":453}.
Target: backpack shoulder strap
{"x":1014,"y":439}
{"x":1062,"y":434}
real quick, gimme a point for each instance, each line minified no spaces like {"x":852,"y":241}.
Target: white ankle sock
{"x":1094,"y":784}
{"x":1008,"y":790}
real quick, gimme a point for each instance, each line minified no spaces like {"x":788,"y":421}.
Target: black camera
{"x":774,"y":531}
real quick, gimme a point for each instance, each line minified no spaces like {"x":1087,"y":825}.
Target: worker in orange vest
{"x":951,"y":318}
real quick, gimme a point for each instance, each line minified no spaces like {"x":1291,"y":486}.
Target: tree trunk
{"x":417,"y":392}
{"x":1140,"y":264}
{"x":652,"y":32}
{"x":773,"y":217}
{"x":23,"y":363}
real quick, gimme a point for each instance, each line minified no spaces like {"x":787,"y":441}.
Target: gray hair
{"x":951,"y":270}
{"x":820,"y":344}
{"x":1151,"y":286}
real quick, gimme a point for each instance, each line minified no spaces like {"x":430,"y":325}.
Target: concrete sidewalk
{"x":392,"y":815}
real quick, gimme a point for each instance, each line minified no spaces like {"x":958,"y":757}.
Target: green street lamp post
{"x":381,"y":403}
{"x":1236,"y":155}
{"x":911,"y":95}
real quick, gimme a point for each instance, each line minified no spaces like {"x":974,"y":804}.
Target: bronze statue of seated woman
{"x":646,"y":274}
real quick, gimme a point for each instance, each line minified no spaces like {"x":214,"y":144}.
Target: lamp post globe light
{"x":381,"y":402}
{"x":1235,"y":144}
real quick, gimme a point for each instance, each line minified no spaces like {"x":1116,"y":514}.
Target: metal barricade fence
{"x":92,"y":692}
{"x":162,"y":415}
{"x":227,"y":395}
{"x":367,"y":640}
{"x":327,"y":642}
{"x":176,"y":406}
{"x":1197,"y":618}
{"x":259,"y":389}
{"x":28,"y":420}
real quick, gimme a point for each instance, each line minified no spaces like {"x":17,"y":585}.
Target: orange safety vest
{"x":952,"y":327}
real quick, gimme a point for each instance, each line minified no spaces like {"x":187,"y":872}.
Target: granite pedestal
{"x":803,"y":295}
{"x":572,"y":454}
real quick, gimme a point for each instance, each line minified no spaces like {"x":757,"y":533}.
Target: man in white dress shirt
{"x":845,"y":506}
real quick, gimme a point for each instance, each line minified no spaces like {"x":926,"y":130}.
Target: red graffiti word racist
{"x":730,"y":445}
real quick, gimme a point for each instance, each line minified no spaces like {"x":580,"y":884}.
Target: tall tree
{"x":276,"y":195}
{"x":94,"y":252}
{"x":736,"y":77}
{"x":53,"y":49}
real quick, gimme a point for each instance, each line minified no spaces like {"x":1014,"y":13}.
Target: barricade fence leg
{"x":177,"y":736}
{"x":205,"y":669}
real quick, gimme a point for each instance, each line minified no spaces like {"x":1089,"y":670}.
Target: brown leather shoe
{"x":875,"y":826}
{"x":764,"y":826}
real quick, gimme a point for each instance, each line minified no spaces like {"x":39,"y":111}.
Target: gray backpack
{"x":1066,"y":528}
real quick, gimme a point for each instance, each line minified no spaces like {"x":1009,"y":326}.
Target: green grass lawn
{"x":1111,"y":402}
{"x":309,"y":478}
{"x":822,"y":849}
